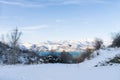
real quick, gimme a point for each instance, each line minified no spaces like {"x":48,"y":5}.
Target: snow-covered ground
{"x":82,"y":71}
{"x":59,"y":72}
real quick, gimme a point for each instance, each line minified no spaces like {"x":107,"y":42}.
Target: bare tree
{"x":14,"y":39}
{"x":116,"y":40}
{"x":98,"y":43}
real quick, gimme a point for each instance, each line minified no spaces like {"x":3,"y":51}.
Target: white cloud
{"x":10,"y":3}
{"x":6,"y":30}
{"x":71,"y":2}
{"x":100,"y":1}
{"x":41,"y":3}
{"x":8,"y":17}
{"x":33,"y":28}
{"x":23,"y":4}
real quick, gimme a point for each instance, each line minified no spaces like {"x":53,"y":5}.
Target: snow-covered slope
{"x":104,"y":55}
{"x":82,"y":71}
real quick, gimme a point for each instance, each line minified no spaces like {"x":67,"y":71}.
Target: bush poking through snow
{"x":110,"y":62}
{"x":51,"y":58}
{"x":116,"y":59}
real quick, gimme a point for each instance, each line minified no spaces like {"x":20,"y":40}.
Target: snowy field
{"x":82,"y":71}
{"x":59,"y":72}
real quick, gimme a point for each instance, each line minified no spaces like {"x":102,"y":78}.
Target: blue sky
{"x":41,"y":20}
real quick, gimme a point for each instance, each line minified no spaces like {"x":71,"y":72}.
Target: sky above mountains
{"x":41,"y":20}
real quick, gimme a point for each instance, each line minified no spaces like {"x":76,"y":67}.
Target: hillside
{"x":84,"y":71}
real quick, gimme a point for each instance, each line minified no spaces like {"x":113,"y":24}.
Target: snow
{"x":69,"y":46}
{"x":59,"y":72}
{"x":104,"y":55}
{"x":82,"y":71}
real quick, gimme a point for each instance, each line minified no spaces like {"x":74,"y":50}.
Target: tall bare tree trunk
{"x":14,"y":43}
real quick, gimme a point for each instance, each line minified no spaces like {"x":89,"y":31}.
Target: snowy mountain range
{"x":69,"y":46}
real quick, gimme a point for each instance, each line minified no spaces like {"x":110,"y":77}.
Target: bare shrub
{"x":66,"y":57}
{"x":98,"y":43}
{"x":116,"y":40}
{"x":83,"y":56}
